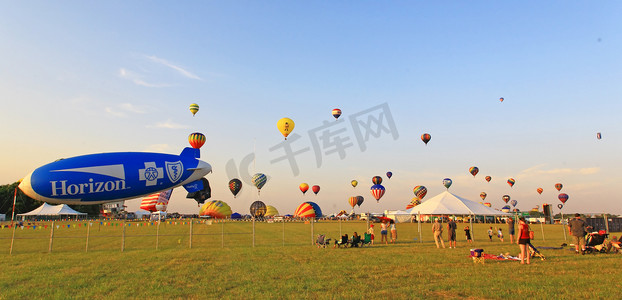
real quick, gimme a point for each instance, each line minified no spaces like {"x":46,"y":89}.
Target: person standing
{"x":467,"y":232}
{"x":523,"y":240}
{"x":490,"y":233}
{"x":510,"y":222}
{"x":383,"y":233}
{"x":437,"y":230}
{"x":371,"y":232}
{"x":578,"y":229}
{"x":393,"y":231}
{"x":451,"y":232}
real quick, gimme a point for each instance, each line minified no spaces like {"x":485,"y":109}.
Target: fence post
{"x":253,"y":232}
{"x":51,"y":238}
{"x":158,"y":234}
{"x":191,"y":221}
{"x":123,"y":237}
{"x":223,"y":234}
{"x":312,"y":222}
{"x":283,"y":231}
{"x":88,"y":232}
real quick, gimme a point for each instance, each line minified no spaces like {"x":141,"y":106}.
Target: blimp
{"x":108,"y":177}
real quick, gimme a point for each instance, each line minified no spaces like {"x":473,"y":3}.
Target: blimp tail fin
{"x":196,"y":153}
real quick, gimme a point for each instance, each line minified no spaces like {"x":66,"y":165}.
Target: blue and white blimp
{"x":107,"y":177}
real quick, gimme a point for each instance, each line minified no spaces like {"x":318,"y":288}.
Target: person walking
{"x":510,"y":222}
{"x":578,"y":228}
{"x":451,"y":232}
{"x":437,"y":230}
{"x":523,"y":240}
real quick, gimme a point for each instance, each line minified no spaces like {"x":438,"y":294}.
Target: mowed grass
{"x":230,"y":267}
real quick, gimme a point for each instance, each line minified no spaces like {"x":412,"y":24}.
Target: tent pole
{"x":14,"y":200}
{"x":419,"y":222}
{"x":542,"y":228}
{"x":563,"y":226}
{"x":472,"y":231}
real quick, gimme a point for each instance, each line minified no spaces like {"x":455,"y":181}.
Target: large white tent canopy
{"x":53,"y":210}
{"x":447,"y":203}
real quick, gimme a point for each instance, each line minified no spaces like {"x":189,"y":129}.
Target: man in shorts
{"x":578,"y":229}
{"x":451,"y":231}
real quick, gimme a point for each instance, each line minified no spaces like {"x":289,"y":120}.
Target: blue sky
{"x":80,"y":77}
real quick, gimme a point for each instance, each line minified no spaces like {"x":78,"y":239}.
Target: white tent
{"x":53,"y":210}
{"x":447,"y":203}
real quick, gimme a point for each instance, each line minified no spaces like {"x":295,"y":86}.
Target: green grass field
{"x":228,"y":266}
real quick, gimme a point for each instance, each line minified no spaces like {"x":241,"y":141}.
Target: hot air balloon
{"x":540,"y":190}
{"x":505,"y":209}
{"x":308,"y":210}
{"x":488,"y":204}
{"x":513,"y":202}
{"x":352,"y":200}
{"x":194,"y":108}
{"x":376,"y":180}
{"x":258,"y":209}
{"x":303,"y":188}
{"x":354,"y":183}
{"x":285,"y":126}
{"x":149,"y":203}
{"x":359,"y":200}
{"x":426,"y":138}
{"x":483,"y":195}
{"x":216,"y":209}
{"x":420,"y":191}
{"x":488,"y":178}
{"x":259,"y":180}
{"x":377,"y":191}
{"x":196,"y":140}
{"x":563,"y":198}
{"x":473,"y":171}
{"x":315,"y":189}
{"x":506,"y":198}
{"x":271,"y":211}
{"x":414,"y":202}
{"x":336,"y":113}
{"x":598,"y":136}
{"x":558,"y":186}
{"x":560,"y":206}
{"x":501,"y":99}
{"x":389,"y":174}
{"x":511,"y":182}
{"x":235,"y":185}
{"x":161,"y":206}
{"x":447,"y":183}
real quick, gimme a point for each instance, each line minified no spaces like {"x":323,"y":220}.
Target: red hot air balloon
{"x":563,"y":198}
{"x":511,"y":182}
{"x":315,"y":189}
{"x":196,"y":140}
{"x":303,"y":188}
{"x":473,"y":171}
{"x":336,"y":113}
{"x":488,"y":178}
{"x":376,"y":180}
{"x":483,"y":195}
{"x":426,"y":138}
{"x":377,"y":191}
{"x":506,"y":198}
{"x":540,"y":190}
{"x":558,"y":186}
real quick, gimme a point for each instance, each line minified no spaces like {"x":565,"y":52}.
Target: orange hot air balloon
{"x":304,"y":188}
{"x":540,"y":190}
{"x":196,"y":140}
{"x":558,"y":186}
{"x":488,"y":178}
{"x":353,"y":201}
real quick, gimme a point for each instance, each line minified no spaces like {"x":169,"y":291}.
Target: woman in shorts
{"x":523,"y":240}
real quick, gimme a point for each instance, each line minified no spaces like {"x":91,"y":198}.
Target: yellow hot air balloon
{"x":285,"y":126}
{"x":271,"y":211}
{"x":194,"y":108}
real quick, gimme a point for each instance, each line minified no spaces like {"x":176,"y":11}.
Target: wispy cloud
{"x":137,"y":79}
{"x":177,"y":68}
{"x":539,"y":170}
{"x":124,"y":109}
{"x":168,"y":124}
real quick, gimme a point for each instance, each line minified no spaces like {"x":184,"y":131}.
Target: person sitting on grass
{"x":342,"y":241}
{"x":356,"y":240}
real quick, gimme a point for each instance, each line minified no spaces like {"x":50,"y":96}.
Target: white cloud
{"x":122,"y":110}
{"x":179,"y":69}
{"x":137,"y":79}
{"x":168,"y":124}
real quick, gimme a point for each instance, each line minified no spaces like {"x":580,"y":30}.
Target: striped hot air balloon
{"x":377,"y":191}
{"x":194,"y":108}
{"x":353,"y":201}
{"x":511,"y":182}
{"x":420,"y":191}
{"x":506,"y":198}
{"x":336,"y":113}
{"x":259,"y":180}
{"x":540,"y":190}
{"x":473,"y":171}
{"x":216,"y":209}
{"x":308,"y":210}
{"x":414,"y":202}
{"x":149,"y":203}
{"x":483,"y":195}
{"x":488,"y":178}
{"x":196,"y":140}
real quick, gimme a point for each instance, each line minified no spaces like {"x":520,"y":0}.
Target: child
{"x":371,"y":232}
{"x":490,"y":233}
{"x":500,"y":234}
{"x":467,"y":232}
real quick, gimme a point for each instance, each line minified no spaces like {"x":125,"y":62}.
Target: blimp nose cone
{"x":26,"y":186}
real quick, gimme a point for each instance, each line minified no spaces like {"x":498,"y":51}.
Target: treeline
{"x":24,"y":204}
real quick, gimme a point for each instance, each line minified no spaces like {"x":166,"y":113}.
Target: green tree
{"x":25,"y":204}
